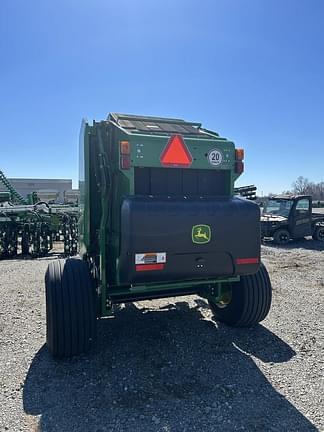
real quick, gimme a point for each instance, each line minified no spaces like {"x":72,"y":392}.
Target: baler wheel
{"x":70,"y":307}
{"x":249,"y":303}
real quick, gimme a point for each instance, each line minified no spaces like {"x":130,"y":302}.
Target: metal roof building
{"x":55,"y":187}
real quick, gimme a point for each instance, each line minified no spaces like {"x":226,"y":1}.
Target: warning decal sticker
{"x":150,"y":258}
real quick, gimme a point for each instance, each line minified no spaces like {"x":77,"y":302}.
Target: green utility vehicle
{"x":291,"y":217}
{"x":158,"y":218}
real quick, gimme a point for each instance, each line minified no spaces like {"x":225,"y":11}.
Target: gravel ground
{"x":166,"y":365}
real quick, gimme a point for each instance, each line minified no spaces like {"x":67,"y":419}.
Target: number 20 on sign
{"x":215,"y":157}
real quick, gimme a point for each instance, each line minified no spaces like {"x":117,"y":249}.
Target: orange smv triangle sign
{"x":176,"y":153}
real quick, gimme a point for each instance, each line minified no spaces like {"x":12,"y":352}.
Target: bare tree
{"x":302,"y":186}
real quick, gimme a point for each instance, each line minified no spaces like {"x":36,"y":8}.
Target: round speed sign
{"x":215,"y":157}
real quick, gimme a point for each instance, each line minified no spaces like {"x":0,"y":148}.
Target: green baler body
{"x":104,"y":186}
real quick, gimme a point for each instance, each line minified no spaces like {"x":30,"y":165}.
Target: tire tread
{"x":253,"y":301}
{"x":70,"y":307}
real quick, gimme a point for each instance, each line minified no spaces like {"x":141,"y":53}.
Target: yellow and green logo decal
{"x":201,"y":234}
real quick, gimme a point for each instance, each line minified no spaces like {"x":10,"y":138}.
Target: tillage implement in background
{"x":159,"y":218}
{"x":248,"y":192}
{"x":29,"y":227}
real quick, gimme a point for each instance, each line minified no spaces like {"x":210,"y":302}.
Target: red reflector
{"x":176,"y":153}
{"x":247,"y":260}
{"x":145,"y":267}
{"x":125,"y":162}
{"x":239,"y":167}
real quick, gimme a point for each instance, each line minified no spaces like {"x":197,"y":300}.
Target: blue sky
{"x":253,"y":70}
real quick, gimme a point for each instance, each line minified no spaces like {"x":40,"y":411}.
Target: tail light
{"x":239,"y":154}
{"x":125,"y":162}
{"x":124,"y":147}
{"x":239,"y":167}
{"x":124,"y":150}
{"x":239,"y":164}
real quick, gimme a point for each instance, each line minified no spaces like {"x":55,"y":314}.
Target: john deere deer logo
{"x":201,"y":234}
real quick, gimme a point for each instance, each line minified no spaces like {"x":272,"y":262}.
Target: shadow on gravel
{"x":307,"y":243}
{"x":164,"y":370}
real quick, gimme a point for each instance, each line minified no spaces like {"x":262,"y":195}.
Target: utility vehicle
{"x":286,"y":217}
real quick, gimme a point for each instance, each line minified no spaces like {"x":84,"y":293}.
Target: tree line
{"x":302,"y":186}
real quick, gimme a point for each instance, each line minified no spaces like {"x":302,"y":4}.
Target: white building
{"x":57,"y":187}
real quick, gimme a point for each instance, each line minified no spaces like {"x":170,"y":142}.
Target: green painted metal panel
{"x":146,"y":151}
{"x":103,"y":184}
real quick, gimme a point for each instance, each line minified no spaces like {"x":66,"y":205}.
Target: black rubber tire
{"x":70,"y":308}
{"x":319,"y":233}
{"x":250,"y":302}
{"x":281,"y":236}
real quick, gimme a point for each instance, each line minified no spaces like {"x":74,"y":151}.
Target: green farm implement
{"x":248,"y":192}
{"x":30,"y":229}
{"x":13,"y":194}
{"x":159,"y":217}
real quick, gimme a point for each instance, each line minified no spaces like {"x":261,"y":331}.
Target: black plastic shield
{"x":201,"y":238}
